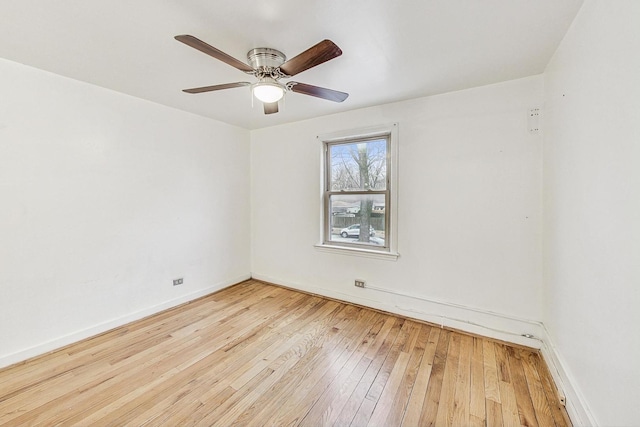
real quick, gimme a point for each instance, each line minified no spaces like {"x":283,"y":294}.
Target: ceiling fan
{"x":269,"y":66}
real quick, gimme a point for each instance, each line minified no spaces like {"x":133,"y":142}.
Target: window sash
{"x":351,"y":141}
{"x":328,"y":217}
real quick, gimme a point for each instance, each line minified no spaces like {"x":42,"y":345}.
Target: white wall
{"x":104,"y":199}
{"x":592,"y":209}
{"x":469,"y":200}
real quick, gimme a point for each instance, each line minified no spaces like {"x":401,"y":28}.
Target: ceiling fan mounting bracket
{"x":266,"y":63}
{"x":265,"y":57}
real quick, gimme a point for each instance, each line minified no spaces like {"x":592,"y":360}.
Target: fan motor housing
{"x":265,"y":57}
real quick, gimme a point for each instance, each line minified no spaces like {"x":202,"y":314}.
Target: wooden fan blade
{"x":212,"y":51}
{"x":270,"y":107}
{"x":319,"y":92}
{"x":216,"y":87}
{"x":315,"y":55}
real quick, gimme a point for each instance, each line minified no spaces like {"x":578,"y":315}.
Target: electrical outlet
{"x":359,"y":283}
{"x":177,"y":282}
{"x":562,"y":399}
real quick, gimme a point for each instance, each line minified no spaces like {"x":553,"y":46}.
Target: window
{"x":359,"y":191}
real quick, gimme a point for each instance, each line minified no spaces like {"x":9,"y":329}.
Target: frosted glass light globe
{"x":268,"y":91}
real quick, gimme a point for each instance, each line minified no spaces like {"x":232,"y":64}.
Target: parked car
{"x":354,"y":231}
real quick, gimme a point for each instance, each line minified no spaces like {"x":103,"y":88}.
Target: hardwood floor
{"x":256,"y":354}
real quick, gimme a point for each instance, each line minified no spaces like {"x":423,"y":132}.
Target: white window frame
{"x":390,"y":252}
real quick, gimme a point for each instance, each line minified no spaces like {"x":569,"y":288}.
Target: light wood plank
{"x":444,"y":416}
{"x":521,"y":389}
{"x":431,"y":402}
{"x":419,"y":391}
{"x":401,"y":401}
{"x":374,"y":393}
{"x":491,"y":387}
{"x":477,"y":406}
{"x":510,"y":415}
{"x":462,"y":394}
{"x":536,"y":390}
{"x":494,"y":413}
{"x":502,"y":363}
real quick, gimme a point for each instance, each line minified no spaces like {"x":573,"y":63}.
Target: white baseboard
{"x":576,"y":405}
{"x":111,"y":324}
{"x":443,"y":313}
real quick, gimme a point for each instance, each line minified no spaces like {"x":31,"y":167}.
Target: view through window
{"x":357,"y":192}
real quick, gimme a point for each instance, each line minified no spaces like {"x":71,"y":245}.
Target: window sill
{"x":366,"y":253}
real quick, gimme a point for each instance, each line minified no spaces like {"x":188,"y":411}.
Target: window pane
{"x":350,"y":212}
{"x":358,"y":166}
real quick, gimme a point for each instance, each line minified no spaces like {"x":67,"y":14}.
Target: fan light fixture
{"x":268,"y":90}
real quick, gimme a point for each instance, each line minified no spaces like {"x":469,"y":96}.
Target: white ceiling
{"x":392,"y":49}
